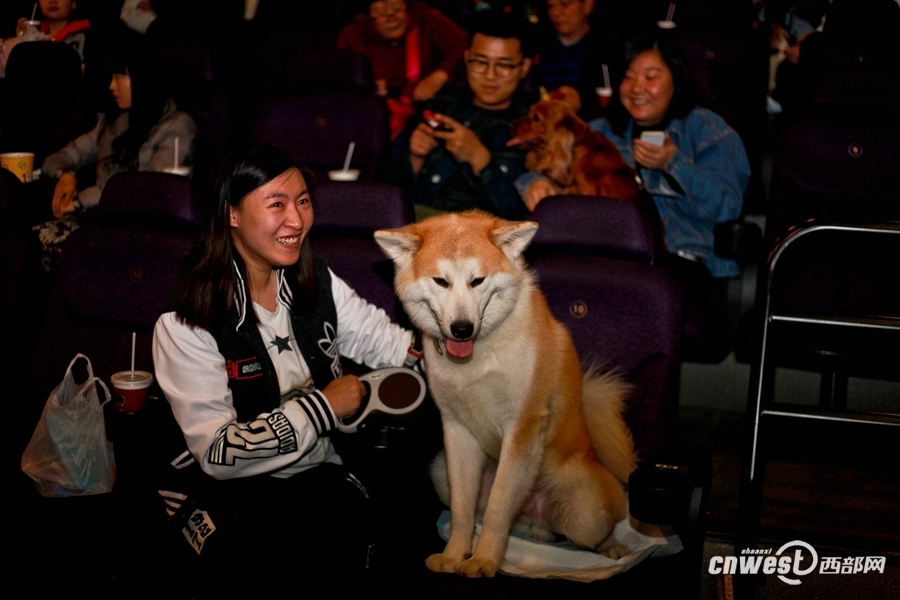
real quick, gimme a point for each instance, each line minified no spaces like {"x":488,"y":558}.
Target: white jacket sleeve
{"x":365,"y":333}
{"x":192,"y":373}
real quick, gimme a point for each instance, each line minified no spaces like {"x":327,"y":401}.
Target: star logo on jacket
{"x":282,"y":343}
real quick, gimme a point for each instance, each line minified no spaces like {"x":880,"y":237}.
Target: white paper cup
{"x":342,"y":175}
{"x":183,"y":171}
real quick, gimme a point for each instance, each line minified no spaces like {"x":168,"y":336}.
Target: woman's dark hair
{"x":149,"y":96}
{"x":685,"y":97}
{"x":205,"y":293}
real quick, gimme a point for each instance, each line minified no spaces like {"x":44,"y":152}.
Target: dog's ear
{"x":513,"y":238}
{"x":399,"y":244}
{"x":558,"y":154}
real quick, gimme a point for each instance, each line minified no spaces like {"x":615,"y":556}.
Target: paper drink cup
{"x":604,"y":93}
{"x":131,"y":391}
{"x":183,"y":171}
{"x":342,"y":175}
{"x":19,"y":163}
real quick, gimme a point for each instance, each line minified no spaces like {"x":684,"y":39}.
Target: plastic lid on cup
{"x":124,"y":380}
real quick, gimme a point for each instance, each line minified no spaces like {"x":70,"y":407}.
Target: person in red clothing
{"x":413,"y":50}
{"x":57,"y":25}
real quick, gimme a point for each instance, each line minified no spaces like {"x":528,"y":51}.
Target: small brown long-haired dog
{"x":579,"y":161}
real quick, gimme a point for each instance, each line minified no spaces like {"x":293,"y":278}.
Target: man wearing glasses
{"x":460,"y":160}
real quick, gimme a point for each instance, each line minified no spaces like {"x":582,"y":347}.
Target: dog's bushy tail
{"x":603,"y":399}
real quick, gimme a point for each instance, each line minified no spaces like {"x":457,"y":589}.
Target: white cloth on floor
{"x":526,"y":557}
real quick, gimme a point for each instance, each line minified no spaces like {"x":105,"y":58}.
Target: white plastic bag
{"x":69,"y":455}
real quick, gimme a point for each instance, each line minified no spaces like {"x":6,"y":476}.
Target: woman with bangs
{"x":137,"y":132}
{"x":249,"y":362}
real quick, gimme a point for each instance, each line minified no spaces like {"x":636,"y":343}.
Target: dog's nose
{"x":462,"y":330}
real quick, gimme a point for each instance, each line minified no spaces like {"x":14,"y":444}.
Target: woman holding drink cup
{"x":248,"y":361}
{"x":691,"y":162}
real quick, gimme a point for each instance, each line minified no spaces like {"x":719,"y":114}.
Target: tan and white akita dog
{"x":508,"y":383}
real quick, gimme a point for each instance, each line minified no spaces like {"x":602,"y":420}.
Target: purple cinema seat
{"x":148,"y":195}
{"x":833,"y":165}
{"x":332,"y":69}
{"x":116,"y":276}
{"x":317,"y":129}
{"x":624,"y":315}
{"x":347,"y":214}
{"x":43,"y":105}
{"x":593,"y":225}
{"x":591,"y":255}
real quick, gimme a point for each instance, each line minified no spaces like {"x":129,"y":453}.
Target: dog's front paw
{"x":478,"y":567}
{"x":440,"y":563}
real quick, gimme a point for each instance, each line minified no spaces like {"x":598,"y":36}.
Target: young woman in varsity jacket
{"x":249,"y":362}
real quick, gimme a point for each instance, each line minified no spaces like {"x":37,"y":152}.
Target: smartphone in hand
{"x":656,"y":138}
{"x":434,"y":121}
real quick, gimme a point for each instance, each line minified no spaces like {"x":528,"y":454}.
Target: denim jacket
{"x":712,"y":170}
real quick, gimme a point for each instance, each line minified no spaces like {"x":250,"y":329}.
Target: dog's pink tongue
{"x":459,"y":349}
{"x":513,"y":142}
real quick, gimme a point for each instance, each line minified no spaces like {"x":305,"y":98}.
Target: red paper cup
{"x":131,"y":390}
{"x":604,"y":93}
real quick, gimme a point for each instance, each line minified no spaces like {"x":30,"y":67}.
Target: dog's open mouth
{"x":459,"y":349}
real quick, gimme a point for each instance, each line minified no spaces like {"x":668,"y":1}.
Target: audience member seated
{"x":467,"y":165}
{"x":139,"y":133}
{"x":413,"y":50}
{"x":697,"y":176}
{"x":253,"y":439}
{"x":575,"y":55}
{"x":57,"y":25}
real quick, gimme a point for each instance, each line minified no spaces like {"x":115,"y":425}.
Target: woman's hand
{"x":64,"y":195}
{"x":654,"y":157}
{"x":344,"y":395}
{"x":537,"y":191}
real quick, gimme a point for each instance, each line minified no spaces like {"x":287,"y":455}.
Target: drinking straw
{"x":606,"y":76}
{"x":133,"y":343}
{"x":176,"y":151}
{"x":350,"y":150}
{"x":34,"y":11}
{"x":671,"y":12}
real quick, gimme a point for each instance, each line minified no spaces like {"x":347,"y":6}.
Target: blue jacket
{"x":712,"y":170}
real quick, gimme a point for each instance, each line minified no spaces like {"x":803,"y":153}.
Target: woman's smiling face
{"x":647,"y":89}
{"x":271,"y":222}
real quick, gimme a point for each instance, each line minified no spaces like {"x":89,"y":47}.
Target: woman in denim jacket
{"x":697,"y":175}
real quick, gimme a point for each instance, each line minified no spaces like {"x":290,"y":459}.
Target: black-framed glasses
{"x":504,"y":70}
